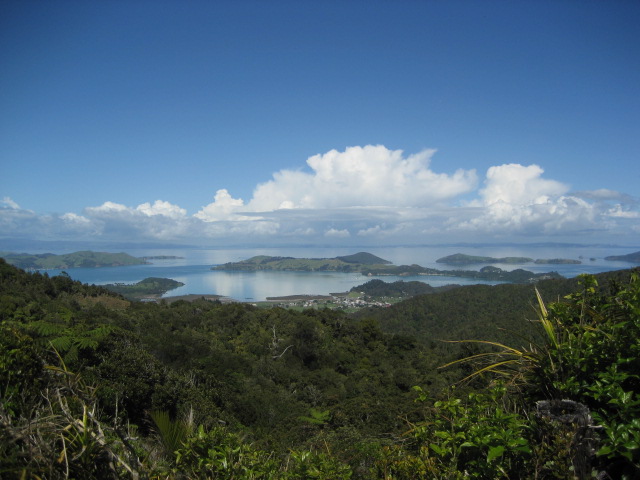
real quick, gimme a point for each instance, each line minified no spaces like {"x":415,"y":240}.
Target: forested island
{"x":349,"y":263}
{"x":94,"y":386}
{"x":368,"y":264}
{"x":83,"y":259}
{"x":463,"y":259}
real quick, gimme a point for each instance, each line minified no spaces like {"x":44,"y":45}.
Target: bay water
{"x":193,"y":268}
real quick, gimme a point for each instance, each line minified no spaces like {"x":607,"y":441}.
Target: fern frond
{"x":62,"y":344}
{"x":86,"y":342}
{"x":46,"y":328}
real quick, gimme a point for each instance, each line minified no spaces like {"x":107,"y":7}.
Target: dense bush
{"x":94,"y":387}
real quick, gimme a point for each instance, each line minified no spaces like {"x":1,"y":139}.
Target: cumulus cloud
{"x":223,"y":207}
{"x":364,"y":194}
{"x":360,"y":177}
{"x":162,"y":208}
{"x":332,"y":232}
{"x":619,"y":212}
{"x":516,"y":199}
{"x":515,"y":184}
{"x":8,"y":203}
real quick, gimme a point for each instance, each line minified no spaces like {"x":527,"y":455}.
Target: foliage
{"x":596,"y":360}
{"x":208,"y":390}
{"x":479,"y":435}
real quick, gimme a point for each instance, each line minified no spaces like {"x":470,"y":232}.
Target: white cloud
{"x":332,"y":232}
{"x":162,"y":208}
{"x":223,"y":207}
{"x":515,"y":184}
{"x":517,"y":200}
{"x":8,"y":203}
{"x":368,"y":194}
{"x":618,"y":212}
{"x":360,"y":177}
{"x":72,"y":218}
{"x":108,"y":207}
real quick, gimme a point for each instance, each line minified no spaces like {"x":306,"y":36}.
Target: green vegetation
{"x":84,"y":259}
{"x":148,"y":288}
{"x":557,"y":261}
{"x":631,"y":257}
{"x":93,"y":386}
{"x":350,"y":263}
{"x":379,"y":288}
{"x":490,"y":273}
{"x":364,"y":258}
{"x":462,"y":259}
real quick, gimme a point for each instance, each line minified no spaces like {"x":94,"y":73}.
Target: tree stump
{"x":576,"y":416}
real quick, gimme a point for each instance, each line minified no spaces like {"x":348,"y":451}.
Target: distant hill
{"x":379,"y":288}
{"x":557,"y":261}
{"x":83,"y":259}
{"x":350,"y":263}
{"x":364,"y":258}
{"x":631,"y":257}
{"x":462,"y":259}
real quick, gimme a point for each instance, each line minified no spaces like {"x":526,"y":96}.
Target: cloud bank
{"x":362,"y":194}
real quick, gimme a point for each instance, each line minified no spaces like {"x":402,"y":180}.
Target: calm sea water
{"x":194,"y":269}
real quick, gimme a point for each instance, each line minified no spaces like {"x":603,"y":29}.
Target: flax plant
{"x":517,"y":365}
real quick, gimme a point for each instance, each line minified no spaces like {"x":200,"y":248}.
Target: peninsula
{"x":83,"y":259}
{"x":370,"y":265}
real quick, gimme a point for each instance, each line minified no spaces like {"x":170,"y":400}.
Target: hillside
{"x":83,"y":259}
{"x":93,"y":386}
{"x":379,"y":288}
{"x":498,"y":312}
{"x":364,"y":258}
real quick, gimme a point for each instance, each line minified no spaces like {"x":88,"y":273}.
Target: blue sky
{"x":320,"y":122}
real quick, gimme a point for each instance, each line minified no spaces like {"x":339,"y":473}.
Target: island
{"x":370,"y":265}
{"x":631,"y":257}
{"x":346,"y":264}
{"x":83,"y":259}
{"x":463,"y":259}
{"x":557,"y":261}
{"x":149,"y":288}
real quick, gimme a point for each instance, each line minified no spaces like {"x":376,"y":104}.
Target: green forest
{"x":507,"y":381}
